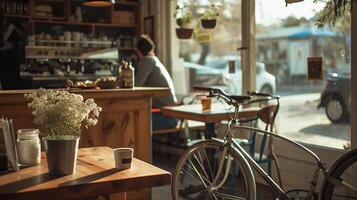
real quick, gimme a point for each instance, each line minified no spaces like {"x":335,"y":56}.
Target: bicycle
{"x":205,"y":170}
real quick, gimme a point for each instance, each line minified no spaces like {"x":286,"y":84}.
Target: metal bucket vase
{"x":61,"y":155}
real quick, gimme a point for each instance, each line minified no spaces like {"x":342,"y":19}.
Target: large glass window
{"x":207,"y":53}
{"x":312,"y":111}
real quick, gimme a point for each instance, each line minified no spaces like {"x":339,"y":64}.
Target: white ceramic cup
{"x":123,"y":158}
{"x":67,"y":35}
{"x":76,"y":36}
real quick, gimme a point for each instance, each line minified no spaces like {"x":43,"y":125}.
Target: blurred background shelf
{"x":125,"y":15}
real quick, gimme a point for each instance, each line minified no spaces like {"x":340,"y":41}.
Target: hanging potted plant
{"x":60,"y":116}
{"x":183,"y":19}
{"x":209,"y":17}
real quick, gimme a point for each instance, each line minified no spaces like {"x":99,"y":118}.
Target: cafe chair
{"x":249,"y":141}
{"x":262,"y":151}
{"x":264,"y":154}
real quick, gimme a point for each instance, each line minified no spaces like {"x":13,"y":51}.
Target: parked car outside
{"x":215,"y":74}
{"x":205,"y":76}
{"x":336,"y":97}
{"x":265,"y":82}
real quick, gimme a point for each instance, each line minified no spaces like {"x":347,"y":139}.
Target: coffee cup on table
{"x":206,"y":103}
{"x":232,"y":66}
{"x":123,"y":158}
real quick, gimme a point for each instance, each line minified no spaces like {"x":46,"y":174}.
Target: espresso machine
{"x":51,"y":63}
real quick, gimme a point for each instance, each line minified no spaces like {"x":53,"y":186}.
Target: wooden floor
{"x":168,"y":162}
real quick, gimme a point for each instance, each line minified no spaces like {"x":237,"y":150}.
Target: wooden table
{"x":217,"y":113}
{"x":95,"y":175}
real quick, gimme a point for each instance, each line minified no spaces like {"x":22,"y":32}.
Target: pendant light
{"x":98,"y":3}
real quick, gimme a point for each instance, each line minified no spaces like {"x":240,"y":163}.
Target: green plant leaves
{"x":333,"y":10}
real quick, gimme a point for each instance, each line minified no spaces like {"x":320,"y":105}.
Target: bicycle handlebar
{"x":216,"y":92}
{"x":237,"y":99}
{"x":210,"y":90}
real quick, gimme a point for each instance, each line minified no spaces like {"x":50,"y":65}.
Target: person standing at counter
{"x":150,"y":72}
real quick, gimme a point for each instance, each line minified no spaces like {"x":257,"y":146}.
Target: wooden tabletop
{"x":95,"y":175}
{"x":218,"y":112}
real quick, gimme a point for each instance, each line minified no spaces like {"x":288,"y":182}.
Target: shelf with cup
{"x":119,"y":23}
{"x":63,"y":15}
{"x":71,"y":52}
{"x":40,"y":20}
{"x":15,"y":9}
{"x":64,"y":43}
{"x":51,"y":10}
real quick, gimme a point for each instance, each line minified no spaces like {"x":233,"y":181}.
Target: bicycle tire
{"x":341,"y":170}
{"x":203,"y":154}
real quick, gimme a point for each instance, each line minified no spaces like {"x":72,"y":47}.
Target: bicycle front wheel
{"x":344,"y":169}
{"x":210,"y":170}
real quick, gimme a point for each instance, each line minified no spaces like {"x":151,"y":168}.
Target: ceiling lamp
{"x":98,"y":3}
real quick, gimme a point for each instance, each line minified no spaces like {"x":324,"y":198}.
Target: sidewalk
{"x":298,"y":89}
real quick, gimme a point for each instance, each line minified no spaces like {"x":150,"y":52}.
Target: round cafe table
{"x":219,"y":112}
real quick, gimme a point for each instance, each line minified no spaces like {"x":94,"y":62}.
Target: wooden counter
{"x":125,"y":120}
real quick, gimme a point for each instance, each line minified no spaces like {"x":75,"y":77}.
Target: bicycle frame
{"x":230,"y":142}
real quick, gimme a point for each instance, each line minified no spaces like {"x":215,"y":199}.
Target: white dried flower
{"x":58,"y":112}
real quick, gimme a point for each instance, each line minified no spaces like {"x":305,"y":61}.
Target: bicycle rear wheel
{"x":199,"y":167}
{"x":345,"y":168}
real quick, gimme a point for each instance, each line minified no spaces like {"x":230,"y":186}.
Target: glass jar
{"x":28,"y":147}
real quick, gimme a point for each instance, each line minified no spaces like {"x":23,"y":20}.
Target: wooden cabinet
{"x":120,"y":22}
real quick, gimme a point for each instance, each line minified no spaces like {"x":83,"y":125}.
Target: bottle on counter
{"x":127,"y":75}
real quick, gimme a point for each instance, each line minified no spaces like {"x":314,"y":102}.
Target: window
{"x":211,"y":55}
{"x":312,"y":111}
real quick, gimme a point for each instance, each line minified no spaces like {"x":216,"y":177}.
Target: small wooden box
{"x":123,"y":17}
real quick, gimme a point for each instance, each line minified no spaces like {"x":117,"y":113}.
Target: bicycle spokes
{"x":210,"y":173}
